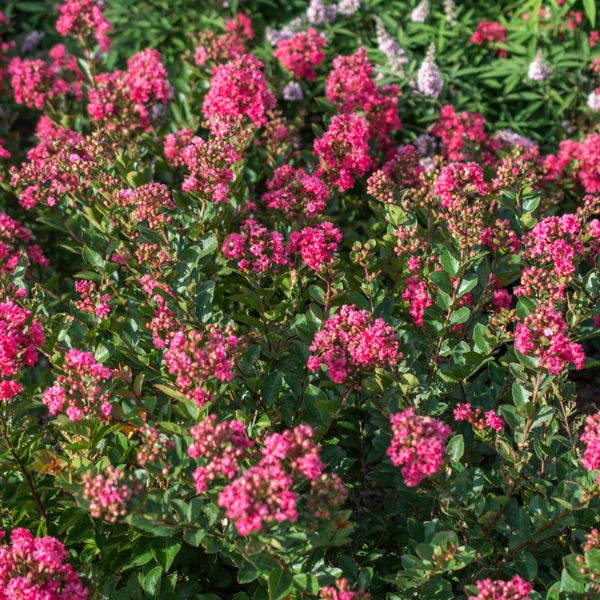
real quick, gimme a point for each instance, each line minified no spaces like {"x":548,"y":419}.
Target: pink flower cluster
{"x":198,"y":357}
{"x":543,"y":334}
{"x":131,"y":99}
{"x":501,"y":299}
{"x":238,"y":95}
{"x":514,"y":589}
{"x":80,"y":388}
{"x":397,"y":176}
{"x":490,"y":32}
{"x":149,"y":202}
{"x":315,"y":245}
{"x":464,"y":208}
{"x":417,"y":294}
{"x":108,"y":494}
{"x":260,"y":494}
{"x":296,"y":448}
{"x":84,"y":19}
{"x":591,"y":439}
{"x":418,"y":444}
{"x":352,"y":342}
{"x":554,"y":246}
{"x":344,"y":150}
{"x":580,"y":159}
{"x":4,"y":153}
{"x":341,"y":591}
{"x":491,"y":420}
{"x":173,"y":146}
{"x":255,"y":248}
{"x":264,"y":493}
{"x":296,"y":193}
{"x":153,"y":256}
{"x":592,"y":540}
{"x":154,"y":447}
{"x":222,"y":48}
{"x":35,"y":82}
{"x":91,"y":300}
{"x":14,"y":242}
{"x":301,"y":53}
{"x":209,"y":165}
{"x":224,"y":444}
{"x":163,"y":325}
{"x":258,"y":249}
{"x":54,"y":166}
{"x":34,"y":568}
{"x":461,"y":134}
{"x":460,"y":180}
{"x":20,"y":338}
{"x":351,"y":87}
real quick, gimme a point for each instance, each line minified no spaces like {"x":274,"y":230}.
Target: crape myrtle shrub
{"x":295,"y":309}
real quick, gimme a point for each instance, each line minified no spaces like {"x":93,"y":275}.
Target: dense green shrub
{"x":295,"y":309}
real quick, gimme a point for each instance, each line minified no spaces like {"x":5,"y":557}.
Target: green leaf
{"x":425,"y":551}
{"x":204,"y":298}
{"x":317,"y":294}
{"x":460,"y":316}
{"x":521,"y":395}
{"x":590,"y":10}
{"x":466,"y":286}
{"x":93,"y":258}
{"x":194,"y":537}
{"x":450,"y":263}
{"x":480,"y":335}
{"x":164,"y":551}
{"x":442,"y":280}
{"x":150,"y":581}
{"x":592,"y":558}
{"x":169,"y":391}
{"x":280,"y":584}
{"x":573,"y":568}
{"x":530,"y":203}
{"x":271,"y":387}
{"x":307,"y":583}
{"x":456,"y":447}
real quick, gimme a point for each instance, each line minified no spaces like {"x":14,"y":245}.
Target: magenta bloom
{"x":352,"y":342}
{"x":417,"y":294}
{"x":198,"y":357}
{"x":351,"y":87}
{"x":591,"y":439}
{"x":80,"y":389}
{"x":35,"y":567}
{"x":490,"y":32}
{"x":543,"y":335}
{"x":255,"y":248}
{"x":460,"y":180}
{"x":344,"y":150}
{"x":131,"y":99}
{"x":296,"y":193}
{"x":301,"y":53}
{"x":222,"y":445}
{"x":209,"y":168}
{"x":238,"y":94}
{"x":20,"y":338}
{"x":514,"y":589}
{"x":316,"y":245}
{"x":84,"y":18}
{"x":108,"y":494}
{"x":417,"y":445}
